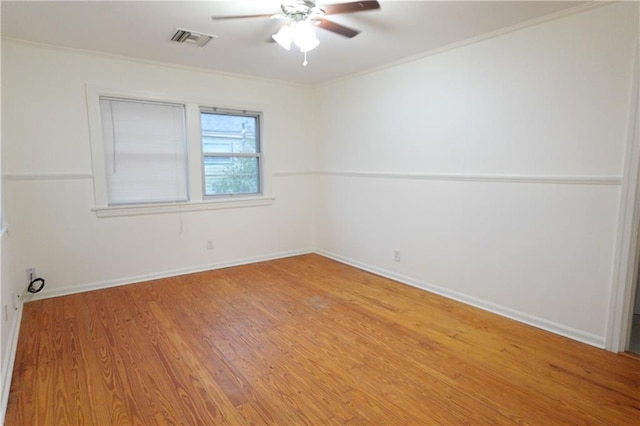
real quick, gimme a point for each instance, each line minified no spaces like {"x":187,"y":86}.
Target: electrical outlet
{"x":210,"y":245}
{"x":31,"y":274}
{"x":396,"y":255}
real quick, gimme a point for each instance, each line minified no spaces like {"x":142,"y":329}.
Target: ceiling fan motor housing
{"x":301,"y":9}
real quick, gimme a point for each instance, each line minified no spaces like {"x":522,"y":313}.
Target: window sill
{"x":193,"y":206}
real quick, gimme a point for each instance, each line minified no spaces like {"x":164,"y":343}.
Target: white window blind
{"x":145,"y":151}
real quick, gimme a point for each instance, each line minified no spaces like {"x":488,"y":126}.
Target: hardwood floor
{"x":303,"y":340}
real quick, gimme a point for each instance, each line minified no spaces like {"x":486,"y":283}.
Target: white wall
{"x":48,"y":183}
{"x":7,"y":316}
{"x":10,"y":304}
{"x":495,"y":168}
{"x":10,"y":323}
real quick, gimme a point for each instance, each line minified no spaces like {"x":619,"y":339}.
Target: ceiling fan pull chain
{"x":304,"y":64}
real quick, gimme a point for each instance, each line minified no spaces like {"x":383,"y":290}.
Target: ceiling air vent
{"x":192,"y":37}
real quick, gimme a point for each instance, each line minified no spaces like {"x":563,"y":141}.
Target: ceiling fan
{"x":302,"y":16}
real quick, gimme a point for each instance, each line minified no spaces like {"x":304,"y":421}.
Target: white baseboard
{"x":553,"y":327}
{"x":99,"y":285}
{"x":9,"y":359}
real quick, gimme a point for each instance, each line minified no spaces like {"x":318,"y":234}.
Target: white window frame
{"x":258,"y":154}
{"x":195,"y":157}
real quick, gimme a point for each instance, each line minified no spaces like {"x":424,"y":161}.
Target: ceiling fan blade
{"x":356,"y":6}
{"x":220,"y":18}
{"x":336,"y":28}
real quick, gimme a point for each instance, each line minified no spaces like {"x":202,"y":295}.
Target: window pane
{"x":231,"y":152}
{"x":210,"y":164}
{"x":211,"y":145}
{"x":240,"y":176}
{"x":229,"y":133}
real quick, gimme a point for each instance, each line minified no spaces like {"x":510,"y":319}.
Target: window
{"x":230,"y":152}
{"x":145,"y":151}
{"x":153,"y":153}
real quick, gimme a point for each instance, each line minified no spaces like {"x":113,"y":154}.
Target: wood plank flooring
{"x":302,"y":340}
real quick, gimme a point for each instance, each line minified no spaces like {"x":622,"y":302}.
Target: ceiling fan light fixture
{"x":284,"y":37}
{"x":304,"y":36}
{"x":310,"y":45}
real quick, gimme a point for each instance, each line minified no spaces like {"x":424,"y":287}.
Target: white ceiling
{"x":142,"y":29}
